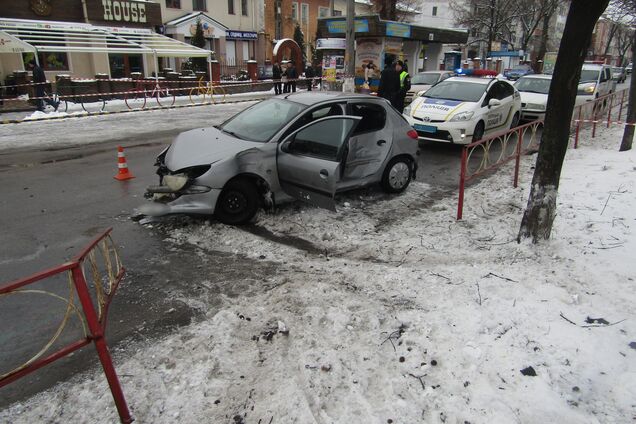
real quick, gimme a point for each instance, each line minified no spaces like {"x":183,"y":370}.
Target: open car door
{"x":310,"y":160}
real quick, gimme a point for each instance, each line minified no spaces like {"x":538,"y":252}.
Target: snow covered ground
{"x":390,"y":311}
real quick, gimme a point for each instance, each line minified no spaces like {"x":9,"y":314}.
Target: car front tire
{"x":397,"y":175}
{"x":238,"y":202}
{"x":478,"y":133}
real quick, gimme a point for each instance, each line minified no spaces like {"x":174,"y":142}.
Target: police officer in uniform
{"x":405,"y":85}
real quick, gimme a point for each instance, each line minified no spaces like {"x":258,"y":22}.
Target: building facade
{"x":282,"y":16}
{"x":50,"y":20}
{"x":233,"y":29}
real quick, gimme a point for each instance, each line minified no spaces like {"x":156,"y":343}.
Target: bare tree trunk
{"x":541,"y":209}
{"x":543,"y":47}
{"x":628,"y":134}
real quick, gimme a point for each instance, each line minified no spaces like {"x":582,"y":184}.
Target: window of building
{"x":434,"y":10}
{"x":323,"y":12}
{"x":230,"y":53}
{"x":337,"y":13}
{"x":230,"y":7}
{"x":173,"y":4}
{"x":49,"y":61}
{"x":295,"y":10}
{"x":244,"y":7}
{"x":199,"y":5}
{"x":304,"y":13}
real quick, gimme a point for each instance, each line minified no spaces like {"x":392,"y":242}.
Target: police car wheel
{"x":478,"y":134}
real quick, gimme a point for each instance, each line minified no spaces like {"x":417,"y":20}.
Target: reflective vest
{"x":403,"y":76}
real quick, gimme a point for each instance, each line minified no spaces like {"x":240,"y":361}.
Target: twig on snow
{"x":479,"y":294}
{"x":440,"y":275}
{"x":419,"y":378}
{"x":591,"y":325}
{"x":490,"y":274}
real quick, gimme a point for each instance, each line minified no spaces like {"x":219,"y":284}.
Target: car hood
{"x":438,"y":109}
{"x":204,"y":146}
{"x":533,"y":98}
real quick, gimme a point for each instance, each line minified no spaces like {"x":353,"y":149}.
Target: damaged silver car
{"x":303,"y":146}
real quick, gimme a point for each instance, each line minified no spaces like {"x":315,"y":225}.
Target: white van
{"x":596,"y":81}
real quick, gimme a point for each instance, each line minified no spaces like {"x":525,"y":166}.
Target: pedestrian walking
{"x":276,"y":75}
{"x":285,"y":78}
{"x":39,"y":81}
{"x":389,"y":83}
{"x":309,"y":74}
{"x":292,"y":74}
{"x":405,"y":85}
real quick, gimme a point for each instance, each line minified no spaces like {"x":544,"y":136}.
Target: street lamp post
{"x":350,"y":56}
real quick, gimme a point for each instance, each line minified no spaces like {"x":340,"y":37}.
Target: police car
{"x":464,"y":109}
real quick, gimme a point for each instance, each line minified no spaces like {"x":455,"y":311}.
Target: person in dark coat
{"x":276,"y":74}
{"x":309,"y":74}
{"x":389,"y":83}
{"x":405,"y":85}
{"x":292,"y":75}
{"x":39,"y":81}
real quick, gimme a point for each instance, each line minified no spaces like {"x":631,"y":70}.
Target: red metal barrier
{"x":496,"y":150}
{"x":94,"y":319}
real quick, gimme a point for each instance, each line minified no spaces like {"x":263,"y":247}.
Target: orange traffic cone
{"x":123,"y":173}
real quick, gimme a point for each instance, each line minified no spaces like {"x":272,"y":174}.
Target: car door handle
{"x":381,"y":142}
{"x":324,"y":173}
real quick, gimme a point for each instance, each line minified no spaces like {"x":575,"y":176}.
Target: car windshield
{"x":533,"y":85}
{"x":263,"y":120}
{"x":522,"y":69}
{"x":589,"y":75}
{"x":428,"y":79}
{"x":457,"y":90}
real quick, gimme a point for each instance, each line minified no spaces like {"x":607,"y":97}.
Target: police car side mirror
{"x":494,"y":102}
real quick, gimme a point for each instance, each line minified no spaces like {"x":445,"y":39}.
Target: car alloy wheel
{"x":397,"y":175}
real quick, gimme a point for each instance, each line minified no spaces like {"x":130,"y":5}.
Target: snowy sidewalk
{"x":391,"y":311}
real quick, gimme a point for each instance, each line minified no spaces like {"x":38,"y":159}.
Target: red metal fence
{"x":93,"y":276}
{"x":490,"y":153}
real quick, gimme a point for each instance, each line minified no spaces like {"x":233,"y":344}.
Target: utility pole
{"x":350,"y":54}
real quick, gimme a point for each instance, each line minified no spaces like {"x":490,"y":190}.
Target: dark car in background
{"x":518,"y":72}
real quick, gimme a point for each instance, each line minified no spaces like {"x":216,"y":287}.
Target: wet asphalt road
{"x":55,"y":201}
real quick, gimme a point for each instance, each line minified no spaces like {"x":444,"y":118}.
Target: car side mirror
{"x":494,"y":102}
{"x":286,"y":146}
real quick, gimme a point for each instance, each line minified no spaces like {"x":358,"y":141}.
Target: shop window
{"x":49,"y":61}
{"x":244,"y":7}
{"x":173,"y":4}
{"x":199,"y":5}
{"x":230,"y":7}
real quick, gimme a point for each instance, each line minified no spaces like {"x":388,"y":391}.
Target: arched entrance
{"x":289,"y":49}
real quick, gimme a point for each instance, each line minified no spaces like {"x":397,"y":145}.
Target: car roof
{"x":433,"y":72}
{"x":537,"y":76}
{"x":310,"y":98}
{"x":474,"y":80}
{"x":594,"y":66}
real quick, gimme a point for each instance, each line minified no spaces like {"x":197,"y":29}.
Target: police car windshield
{"x":464,"y":91}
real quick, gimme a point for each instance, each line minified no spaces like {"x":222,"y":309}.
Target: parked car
{"x":595,"y":81}
{"x":304,"y":146}
{"x":423,"y":81}
{"x":534,"y":91}
{"x":619,"y":74}
{"x":464,"y":109}
{"x":628,"y":69}
{"x":518,"y":72}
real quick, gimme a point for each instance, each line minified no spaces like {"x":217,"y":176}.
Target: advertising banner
{"x":368,"y":58}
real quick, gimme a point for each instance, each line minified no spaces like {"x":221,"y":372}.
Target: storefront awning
{"x":44,"y":36}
